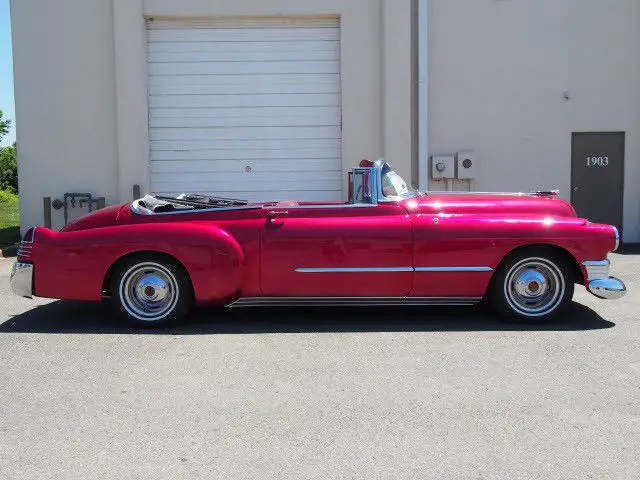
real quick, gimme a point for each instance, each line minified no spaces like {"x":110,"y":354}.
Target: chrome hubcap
{"x":149,"y":291}
{"x":152,"y":288}
{"x":531,"y":283}
{"x":534,"y":287}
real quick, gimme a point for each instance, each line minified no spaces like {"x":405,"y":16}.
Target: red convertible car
{"x":388,"y":244}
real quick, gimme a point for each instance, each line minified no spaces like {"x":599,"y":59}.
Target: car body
{"x":386,"y":245}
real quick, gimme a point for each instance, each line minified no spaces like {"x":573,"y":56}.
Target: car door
{"x":336,"y":251}
{"x":452,"y":257}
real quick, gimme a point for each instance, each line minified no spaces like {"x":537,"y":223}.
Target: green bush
{"x":9,"y":169}
{"x":8,"y":197}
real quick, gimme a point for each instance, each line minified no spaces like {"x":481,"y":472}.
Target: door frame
{"x":574,"y":135}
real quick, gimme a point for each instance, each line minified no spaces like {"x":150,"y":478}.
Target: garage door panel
{"x":236,"y":184}
{"x":244,"y":133}
{"x":263,"y":88}
{"x":251,"y":85}
{"x":243,"y":112}
{"x":253,"y":81}
{"x":249,"y":109}
{"x":257,"y":165}
{"x":218,"y":50}
{"x":271,"y":196}
{"x":299,"y":178}
{"x":245,"y":117}
{"x":254,"y":145}
{"x":253,"y":55}
{"x":242,"y":68}
{"x":249,"y":121}
{"x":214,"y":49}
{"x":246,"y":154}
{"x":249,"y":100}
{"x":267,"y":34}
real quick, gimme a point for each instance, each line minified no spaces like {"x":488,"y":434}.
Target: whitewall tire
{"x":532,"y":285}
{"x":151,"y":290}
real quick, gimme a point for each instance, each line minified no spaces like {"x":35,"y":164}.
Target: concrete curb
{"x":10,"y":251}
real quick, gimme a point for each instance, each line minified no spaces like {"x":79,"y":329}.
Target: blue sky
{"x":6,"y":71}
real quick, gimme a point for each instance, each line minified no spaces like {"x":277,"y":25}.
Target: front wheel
{"x":151,"y":291}
{"x":532,"y":285}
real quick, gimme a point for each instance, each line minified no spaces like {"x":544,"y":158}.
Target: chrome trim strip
{"x":33,"y":237}
{"x":597,"y":269}
{"x":597,"y":263}
{"x":25,"y":249}
{"x":355,"y":270}
{"x":455,"y":192}
{"x":337,"y":205}
{"x":137,"y":211}
{"x":454,"y":269}
{"x":615,"y":229}
{"x":352,"y":301}
{"x":393,"y":269}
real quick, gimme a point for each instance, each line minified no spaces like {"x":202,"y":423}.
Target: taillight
{"x":26,"y":245}
{"x":30,"y":235}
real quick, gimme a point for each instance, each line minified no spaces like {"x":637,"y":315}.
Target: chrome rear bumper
{"x":607,"y":288}
{"x":22,"y":279}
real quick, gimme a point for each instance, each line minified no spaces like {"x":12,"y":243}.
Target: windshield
{"x":393,"y":185}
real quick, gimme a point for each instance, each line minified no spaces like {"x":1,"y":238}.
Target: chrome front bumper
{"x":607,"y":288}
{"x":22,"y":279}
{"x":600,"y":284}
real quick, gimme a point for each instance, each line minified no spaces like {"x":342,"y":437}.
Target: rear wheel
{"x":151,"y":291}
{"x":532,"y":285}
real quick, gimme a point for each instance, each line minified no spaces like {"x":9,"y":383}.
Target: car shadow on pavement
{"x":64,"y":317}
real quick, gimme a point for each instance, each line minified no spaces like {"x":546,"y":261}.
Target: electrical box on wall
{"x":466,"y":165}
{"x":442,"y":167}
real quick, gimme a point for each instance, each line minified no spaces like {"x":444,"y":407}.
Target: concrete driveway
{"x":442,"y":393}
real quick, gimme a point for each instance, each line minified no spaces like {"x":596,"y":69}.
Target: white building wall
{"x":65,"y":101}
{"x":497,"y":72}
{"x":81,"y":88}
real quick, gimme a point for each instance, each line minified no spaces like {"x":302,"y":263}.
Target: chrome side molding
{"x":454,"y":269}
{"x":352,"y":301}
{"x":393,"y":269}
{"x":355,"y":270}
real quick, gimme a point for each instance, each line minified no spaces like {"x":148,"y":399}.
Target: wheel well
{"x":160,"y":255}
{"x":578,"y":276}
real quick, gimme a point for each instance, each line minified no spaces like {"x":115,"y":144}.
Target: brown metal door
{"x":597,"y":176}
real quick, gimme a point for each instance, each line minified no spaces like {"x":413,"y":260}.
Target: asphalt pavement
{"x":353,"y":393}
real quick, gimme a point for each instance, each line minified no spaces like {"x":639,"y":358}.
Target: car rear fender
{"x":74,"y":265}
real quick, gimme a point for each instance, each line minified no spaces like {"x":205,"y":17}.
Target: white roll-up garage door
{"x":246,"y":109}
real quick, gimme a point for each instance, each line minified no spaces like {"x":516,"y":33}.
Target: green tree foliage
{"x":9,"y":169}
{"x":8,"y":160}
{"x":5,"y":126}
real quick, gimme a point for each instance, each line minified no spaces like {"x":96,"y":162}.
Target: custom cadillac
{"x":388,"y":244}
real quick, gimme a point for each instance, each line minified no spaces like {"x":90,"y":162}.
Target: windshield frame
{"x":381,"y":166}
